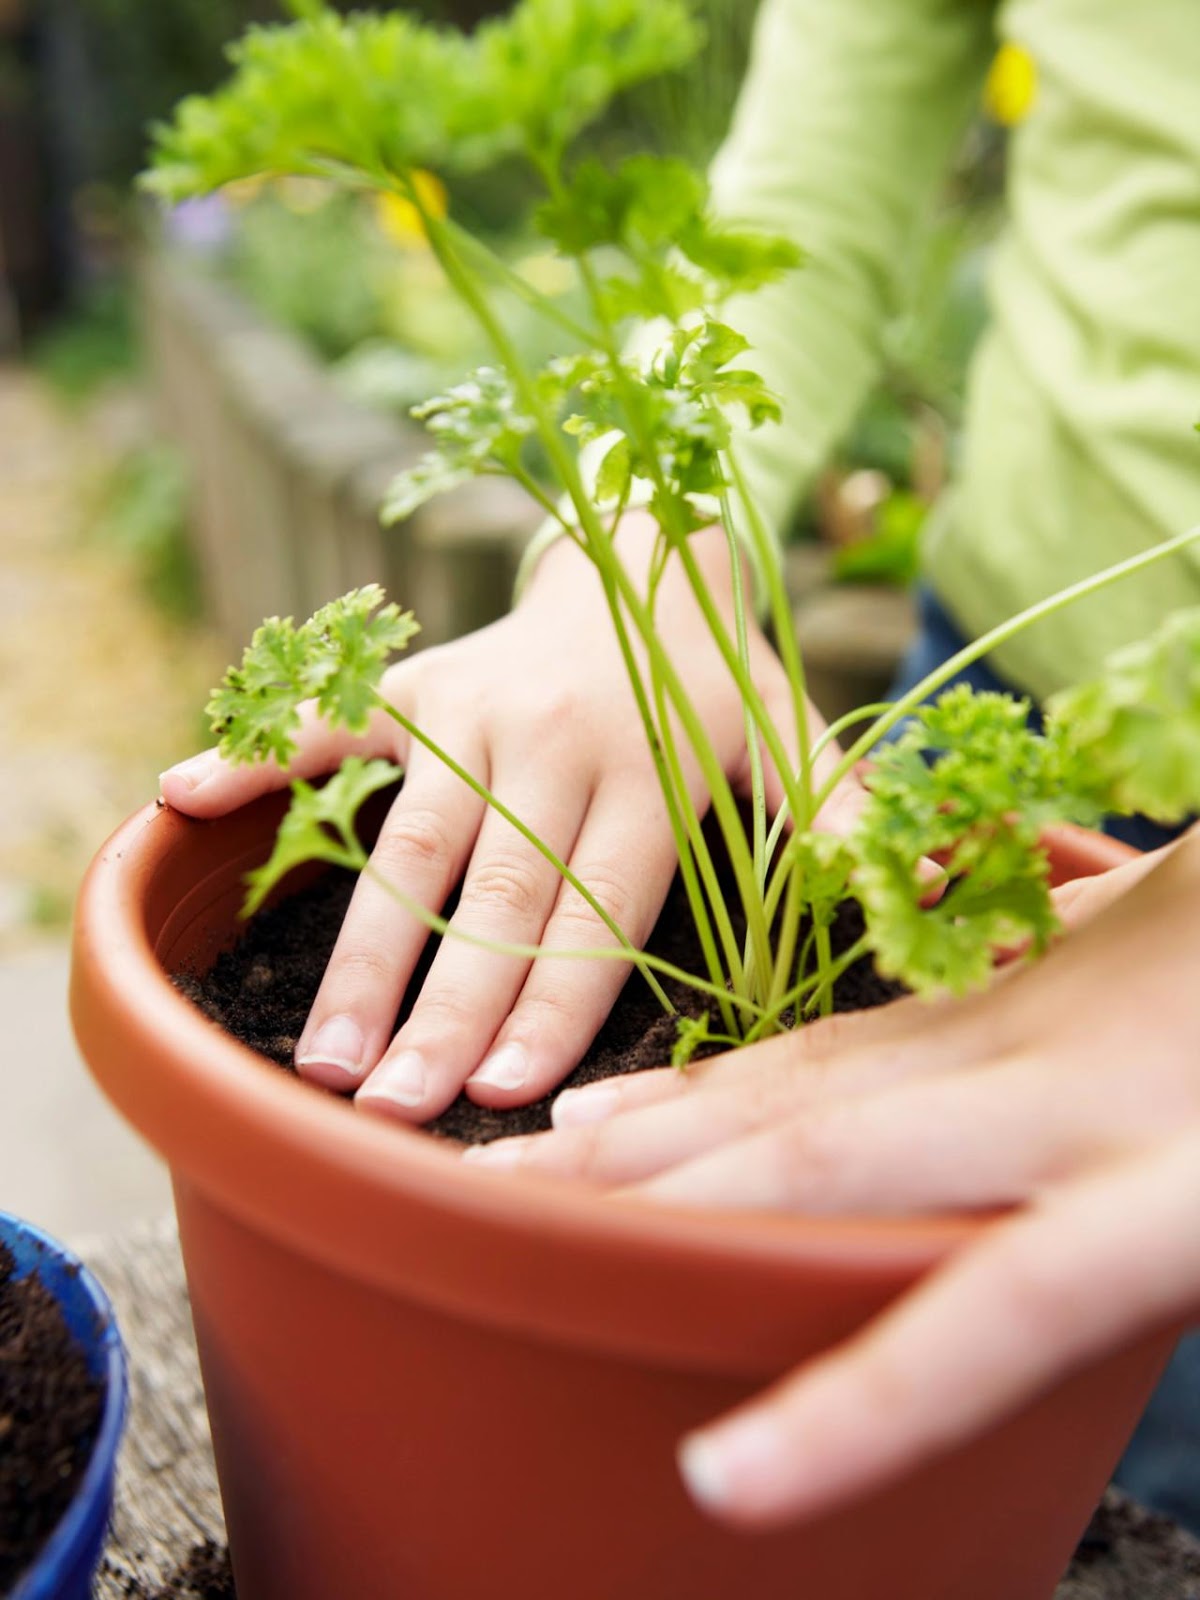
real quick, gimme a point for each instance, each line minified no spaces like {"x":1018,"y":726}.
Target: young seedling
{"x":372,"y":102}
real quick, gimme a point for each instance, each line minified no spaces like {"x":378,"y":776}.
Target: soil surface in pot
{"x":262,"y":989}
{"x":50,"y":1406}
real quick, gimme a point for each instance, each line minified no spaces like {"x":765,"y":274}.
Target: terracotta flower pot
{"x":438,"y":1383}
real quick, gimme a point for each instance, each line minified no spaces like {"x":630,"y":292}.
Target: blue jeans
{"x":1161,"y":1464}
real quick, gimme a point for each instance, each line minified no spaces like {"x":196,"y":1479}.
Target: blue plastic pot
{"x":67,"y":1562}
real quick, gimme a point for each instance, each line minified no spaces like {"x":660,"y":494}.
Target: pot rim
{"x":117,"y":981}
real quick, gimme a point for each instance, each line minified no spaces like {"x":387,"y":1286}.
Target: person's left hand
{"x":1071,"y":1088}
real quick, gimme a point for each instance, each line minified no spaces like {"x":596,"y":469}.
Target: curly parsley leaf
{"x":320,"y":825}
{"x":643,"y":201}
{"x":970,"y":784}
{"x":350,"y":641}
{"x":654,"y":210}
{"x":479,"y":425}
{"x":1136,"y":731}
{"x":737,"y":260}
{"x":374,"y":97}
{"x":336,"y":658}
{"x":825,"y":863}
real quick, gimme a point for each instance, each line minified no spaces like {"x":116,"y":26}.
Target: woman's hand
{"x":538,"y":707}
{"x":1071,"y":1088}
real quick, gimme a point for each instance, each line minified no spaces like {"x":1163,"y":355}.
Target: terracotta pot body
{"x":434,"y":1382}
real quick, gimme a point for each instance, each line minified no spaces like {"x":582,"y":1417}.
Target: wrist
{"x":563,"y":565}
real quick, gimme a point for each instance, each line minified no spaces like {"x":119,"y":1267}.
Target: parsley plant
{"x":371,"y":102}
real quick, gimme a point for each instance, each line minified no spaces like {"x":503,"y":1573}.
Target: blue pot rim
{"x":75,"y":1529}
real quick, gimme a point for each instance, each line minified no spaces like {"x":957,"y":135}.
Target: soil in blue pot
{"x":50,"y":1407}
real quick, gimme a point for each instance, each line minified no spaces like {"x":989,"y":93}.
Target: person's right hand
{"x":538,"y":707}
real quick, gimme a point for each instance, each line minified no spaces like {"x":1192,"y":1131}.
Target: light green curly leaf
{"x":372,"y":97}
{"x":614,"y":473}
{"x":320,"y":825}
{"x":690,"y":1034}
{"x":971,"y":784}
{"x":408,"y":491}
{"x":336,"y":658}
{"x":353,"y":639}
{"x":1136,"y":731}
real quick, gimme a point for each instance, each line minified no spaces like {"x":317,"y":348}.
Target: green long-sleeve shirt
{"x":1080,"y":447}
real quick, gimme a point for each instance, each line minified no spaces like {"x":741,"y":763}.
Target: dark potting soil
{"x":204,"y":1575}
{"x":262,"y":989}
{"x":50,"y":1407}
{"x":1129,"y":1553}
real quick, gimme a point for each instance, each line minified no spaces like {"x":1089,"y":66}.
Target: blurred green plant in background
{"x":140,"y":513}
{"x":97,"y":342}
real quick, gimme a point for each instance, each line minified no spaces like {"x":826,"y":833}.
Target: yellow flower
{"x":1011,"y":86}
{"x":399,"y":218}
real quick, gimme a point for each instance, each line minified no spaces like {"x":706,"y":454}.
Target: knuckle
{"x":504,"y":884}
{"x":765,"y":1099}
{"x":589,"y":1150}
{"x":551,"y":1010}
{"x":885,"y":1390}
{"x":608,"y":883}
{"x":1041,"y":1304}
{"x":413,"y":836}
{"x":552,"y":722}
{"x":810,"y":1151}
{"x":403,"y":677}
{"x":444,"y":1010}
{"x":579,"y":1152}
{"x":364,"y":967}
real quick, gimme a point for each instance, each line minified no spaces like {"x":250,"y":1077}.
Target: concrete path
{"x":67,"y":1161}
{"x":98,"y":692}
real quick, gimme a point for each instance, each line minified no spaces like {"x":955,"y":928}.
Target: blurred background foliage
{"x":345,"y":276}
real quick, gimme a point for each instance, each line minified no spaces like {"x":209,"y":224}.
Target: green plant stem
{"x":768,"y":1023}
{"x":989,"y":641}
{"x":824,"y":971}
{"x":629,"y":949}
{"x":758,"y":794}
{"x":785,"y":948}
{"x":488,"y":261}
{"x":594,"y":535}
{"x":660,"y":748}
{"x":792,"y":657}
{"x":789,"y":648}
{"x":612,"y":573}
{"x":729,"y":820}
{"x":698,"y":845}
{"x":835,"y":729}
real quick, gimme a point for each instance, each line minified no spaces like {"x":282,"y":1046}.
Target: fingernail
{"x":193,"y":772}
{"x":338,"y":1042}
{"x":725,"y":1466}
{"x":398,"y":1080}
{"x":574,"y":1108}
{"x":506,"y":1068}
{"x":503,"y":1153}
